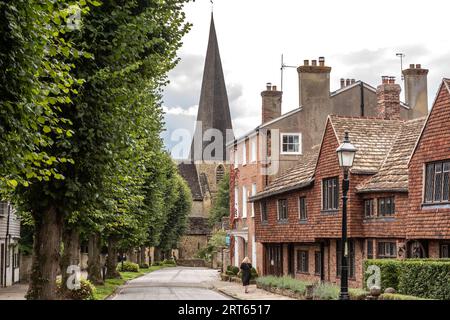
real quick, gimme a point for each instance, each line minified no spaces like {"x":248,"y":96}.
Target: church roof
{"x":189,"y":173}
{"x":213,"y":110}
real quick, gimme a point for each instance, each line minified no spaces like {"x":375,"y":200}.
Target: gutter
{"x":400,"y":190}
{"x":268,"y":194}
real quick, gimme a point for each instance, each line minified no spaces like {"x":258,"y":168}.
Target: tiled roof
{"x":393,"y":174}
{"x":373,"y":138}
{"x":298,"y":176}
{"x":189,"y":172}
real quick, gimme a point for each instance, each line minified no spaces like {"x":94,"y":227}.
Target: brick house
{"x":283,"y":140}
{"x":428,"y":225}
{"x":298,"y":216}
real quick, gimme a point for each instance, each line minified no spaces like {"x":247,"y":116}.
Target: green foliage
{"x":85,"y":292}
{"x":427,"y":278}
{"x":218,"y":240}
{"x":326,"y":291}
{"x":169,"y":262}
{"x":144,"y":266}
{"x":221,"y":202}
{"x":128,"y":267}
{"x":254,"y":274}
{"x":389,"y":272}
{"x":396,"y":296}
{"x":285,"y":282}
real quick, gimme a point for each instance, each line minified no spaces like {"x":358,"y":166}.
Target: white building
{"x":9,"y":245}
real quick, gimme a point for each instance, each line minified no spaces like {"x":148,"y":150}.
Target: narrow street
{"x":179,"y":283}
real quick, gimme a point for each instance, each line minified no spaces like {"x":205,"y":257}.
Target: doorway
{"x":273,"y":264}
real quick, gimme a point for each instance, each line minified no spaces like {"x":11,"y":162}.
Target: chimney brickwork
{"x":388,"y":99}
{"x":416,"y":90}
{"x":314,"y":81}
{"x":271,"y":103}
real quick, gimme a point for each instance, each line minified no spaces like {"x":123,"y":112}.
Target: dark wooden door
{"x":273,"y":260}
{"x":2,"y":264}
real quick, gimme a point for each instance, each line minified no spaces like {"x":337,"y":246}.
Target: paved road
{"x":179,"y":283}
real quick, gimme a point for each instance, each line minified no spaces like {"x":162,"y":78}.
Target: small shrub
{"x":144,"y":266}
{"x":229,"y":273}
{"x":156,"y":264}
{"x":128,"y":267}
{"x":235,"y":270}
{"x":254,"y":274}
{"x":357,"y":294}
{"x":396,"y":296}
{"x":325,"y":291}
{"x":86,"y":291}
{"x":169,"y":262}
{"x":285,"y":282}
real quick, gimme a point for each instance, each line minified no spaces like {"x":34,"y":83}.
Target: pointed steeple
{"x":213,"y":109}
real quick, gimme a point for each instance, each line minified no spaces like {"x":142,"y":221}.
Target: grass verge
{"x":103,"y":291}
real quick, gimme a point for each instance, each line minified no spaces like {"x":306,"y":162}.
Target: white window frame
{"x":236,"y":158}
{"x":244,"y":201}
{"x":236,"y":202}
{"x":299,"y":143}
{"x":253,"y":204}
{"x":244,"y":153}
{"x":253,"y":150}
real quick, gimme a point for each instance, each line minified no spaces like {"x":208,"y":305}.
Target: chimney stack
{"x":342,"y":83}
{"x":314,"y":81}
{"x":271,"y":103}
{"x":416,"y":90}
{"x":388,"y":99}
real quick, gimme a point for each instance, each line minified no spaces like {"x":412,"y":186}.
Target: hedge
{"x":425,"y":278}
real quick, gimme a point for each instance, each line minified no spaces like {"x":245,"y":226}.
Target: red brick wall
{"x":434,"y":144}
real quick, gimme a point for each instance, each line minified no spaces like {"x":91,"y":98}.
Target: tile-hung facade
{"x":398,"y":203}
{"x":282,"y":141}
{"x":9,"y":245}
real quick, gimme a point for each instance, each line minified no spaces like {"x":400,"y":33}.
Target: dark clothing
{"x":246,"y":271}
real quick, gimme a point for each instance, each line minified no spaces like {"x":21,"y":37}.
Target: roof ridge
{"x":364,"y":118}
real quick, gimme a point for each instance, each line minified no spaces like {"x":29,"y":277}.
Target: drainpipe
{"x":361,"y":86}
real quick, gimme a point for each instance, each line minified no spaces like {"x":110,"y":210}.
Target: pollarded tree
{"x":221,"y":202}
{"x":133,"y":46}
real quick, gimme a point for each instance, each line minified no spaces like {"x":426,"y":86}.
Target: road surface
{"x":179,"y":283}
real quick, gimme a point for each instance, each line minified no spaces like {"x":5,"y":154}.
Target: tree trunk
{"x":143,"y":257}
{"x":111,"y":260}
{"x":46,"y":255}
{"x":94,"y":268}
{"x":157,"y":255}
{"x":71,"y":254}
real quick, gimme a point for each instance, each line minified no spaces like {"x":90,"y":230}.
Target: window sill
{"x":264,"y":223}
{"x":331,"y":211}
{"x":303,"y":221}
{"x":283,"y":221}
{"x":378,"y":219}
{"x":436,"y":205}
{"x":291,"y":153}
{"x":302,"y":272}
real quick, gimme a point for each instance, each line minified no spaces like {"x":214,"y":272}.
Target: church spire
{"x":213,"y":109}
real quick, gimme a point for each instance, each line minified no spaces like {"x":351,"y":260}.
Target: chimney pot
{"x":347,"y":82}
{"x":418,"y":66}
{"x":274,"y":88}
{"x":322,"y":61}
{"x":412,"y":66}
{"x":314,"y":62}
{"x":306,"y":62}
{"x":391,"y":80}
{"x":342,"y":82}
{"x":269,"y":86}
{"x":353,"y":81}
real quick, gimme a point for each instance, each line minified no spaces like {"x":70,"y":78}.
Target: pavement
{"x":182,"y":283}
{"x":15,"y":292}
{"x":178,"y":283}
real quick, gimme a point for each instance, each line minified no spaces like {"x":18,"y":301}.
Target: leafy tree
{"x":130,"y":45}
{"x":221,"y":202}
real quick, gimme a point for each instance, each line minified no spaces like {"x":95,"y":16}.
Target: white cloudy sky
{"x":358,"y":38}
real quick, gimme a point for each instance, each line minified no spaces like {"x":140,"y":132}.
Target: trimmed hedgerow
{"x":426,"y":278}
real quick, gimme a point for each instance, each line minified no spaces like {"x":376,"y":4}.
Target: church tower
{"x":206,"y":165}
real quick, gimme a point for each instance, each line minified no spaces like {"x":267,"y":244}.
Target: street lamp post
{"x":346,"y":154}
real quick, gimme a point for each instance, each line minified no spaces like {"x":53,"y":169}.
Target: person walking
{"x":246,"y":273}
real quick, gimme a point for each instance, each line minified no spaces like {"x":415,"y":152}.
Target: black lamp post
{"x":346,"y":154}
